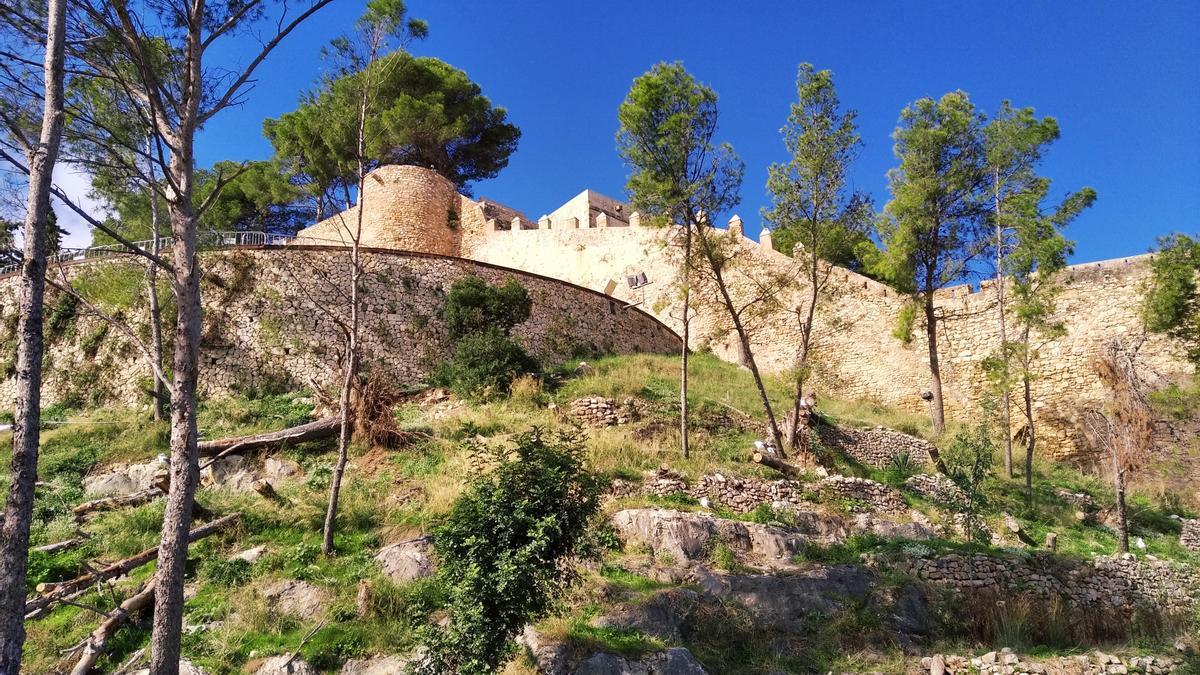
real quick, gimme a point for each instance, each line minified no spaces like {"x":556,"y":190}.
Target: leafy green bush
{"x":480,"y":317}
{"x":472,"y":306}
{"x":968,"y":462}
{"x":484,"y":365}
{"x":506,"y":548}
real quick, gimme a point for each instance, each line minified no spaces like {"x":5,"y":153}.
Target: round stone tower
{"x":409,"y":208}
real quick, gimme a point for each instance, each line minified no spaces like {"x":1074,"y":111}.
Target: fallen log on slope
{"x":311,"y":431}
{"x":62,"y":545}
{"x":49,"y":593}
{"x":119,"y":501}
{"x":777,"y":464}
{"x":93,"y":645}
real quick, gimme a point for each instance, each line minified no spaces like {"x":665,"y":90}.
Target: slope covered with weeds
{"x":394,"y":495}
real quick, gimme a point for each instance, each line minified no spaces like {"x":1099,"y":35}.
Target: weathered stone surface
{"x":599,"y":411}
{"x":1190,"y":534}
{"x":277,"y":469}
{"x":684,"y":538}
{"x":284,"y":664}
{"x":863,"y":493}
{"x":292,"y":596}
{"x":122,"y":479}
{"x":406,"y":561}
{"x":938,"y":489}
{"x":378,"y":665}
{"x":674,"y":661}
{"x":662,"y":616}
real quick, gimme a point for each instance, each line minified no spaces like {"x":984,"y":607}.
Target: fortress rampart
{"x":272,"y":322}
{"x":597,"y":243}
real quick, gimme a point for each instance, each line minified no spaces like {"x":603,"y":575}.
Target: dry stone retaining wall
{"x":1101,"y":584}
{"x":1190,"y":536}
{"x":876,"y":447}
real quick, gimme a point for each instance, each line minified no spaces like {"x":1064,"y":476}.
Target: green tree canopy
{"x":1172,"y":303}
{"x":425,"y":113}
{"x":811,"y":203}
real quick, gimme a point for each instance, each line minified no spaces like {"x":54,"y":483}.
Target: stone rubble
{"x":1007,"y":662}
{"x":876,"y":447}
{"x":599,"y":411}
{"x":864,"y":493}
{"x":1189,"y":537}
{"x":938,"y":489}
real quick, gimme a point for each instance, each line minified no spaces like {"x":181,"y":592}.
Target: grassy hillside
{"x":393,"y":495}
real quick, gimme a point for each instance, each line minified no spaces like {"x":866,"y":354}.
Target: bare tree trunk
{"x":1030,"y":437}
{"x":683,"y":349}
{"x":935,"y":375}
{"x":156,"y":340}
{"x":93,"y":646}
{"x":744,"y":338}
{"x":184,"y":468}
{"x":18,"y":507}
{"x":350,"y":378}
{"x":1006,"y":402}
{"x":1122,"y":511}
{"x":798,"y":436}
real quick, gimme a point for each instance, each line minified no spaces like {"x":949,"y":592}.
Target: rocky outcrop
{"x":285,"y":664}
{"x":407,"y":560}
{"x":685,"y":538}
{"x":299,"y":598}
{"x":378,"y":665}
{"x":121,"y":479}
{"x":674,"y":661}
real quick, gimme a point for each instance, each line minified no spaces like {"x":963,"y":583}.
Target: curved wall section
{"x":271,"y":321}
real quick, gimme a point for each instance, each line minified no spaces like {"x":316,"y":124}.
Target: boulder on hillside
{"x":685,"y":538}
{"x":284,"y":664}
{"x":122,"y":479}
{"x":674,"y":661}
{"x":292,"y":596}
{"x":378,"y":665}
{"x":406,"y":561}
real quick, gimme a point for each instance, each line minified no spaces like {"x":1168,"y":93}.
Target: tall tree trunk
{"x":156,"y":341}
{"x":683,"y":348}
{"x":935,"y":375}
{"x":935,"y":368}
{"x":744,"y":339}
{"x":1030,"y":436}
{"x":184,"y":463}
{"x":1122,"y":510}
{"x":1006,"y":401}
{"x":350,"y":377}
{"x":798,"y":436}
{"x":18,"y":507}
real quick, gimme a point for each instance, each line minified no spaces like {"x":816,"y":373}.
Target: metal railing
{"x":206,"y":240}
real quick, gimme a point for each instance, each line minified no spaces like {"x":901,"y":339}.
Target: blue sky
{"x":1122,"y":78}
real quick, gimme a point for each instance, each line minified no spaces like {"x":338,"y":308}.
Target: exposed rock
{"x":231,"y":472}
{"x":280,"y":468}
{"x":674,"y":661}
{"x":378,"y":665}
{"x":122,"y":479}
{"x":292,"y":596}
{"x":406,"y":561}
{"x":284,"y":664}
{"x":684,"y":538}
{"x":250,"y":555}
{"x":662,"y":616}
{"x":892,"y":529}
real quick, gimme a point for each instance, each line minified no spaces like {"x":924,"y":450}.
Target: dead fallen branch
{"x":311,"y":431}
{"x":93,"y":645}
{"x":117,"y":502}
{"x":777,"y":464}
{"x":62,"y":545}
{"x":49,"y":593}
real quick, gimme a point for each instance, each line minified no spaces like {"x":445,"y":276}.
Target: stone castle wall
{"x":274,"y":322}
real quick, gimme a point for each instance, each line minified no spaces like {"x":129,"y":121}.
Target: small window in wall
{"x":612,"y":307}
